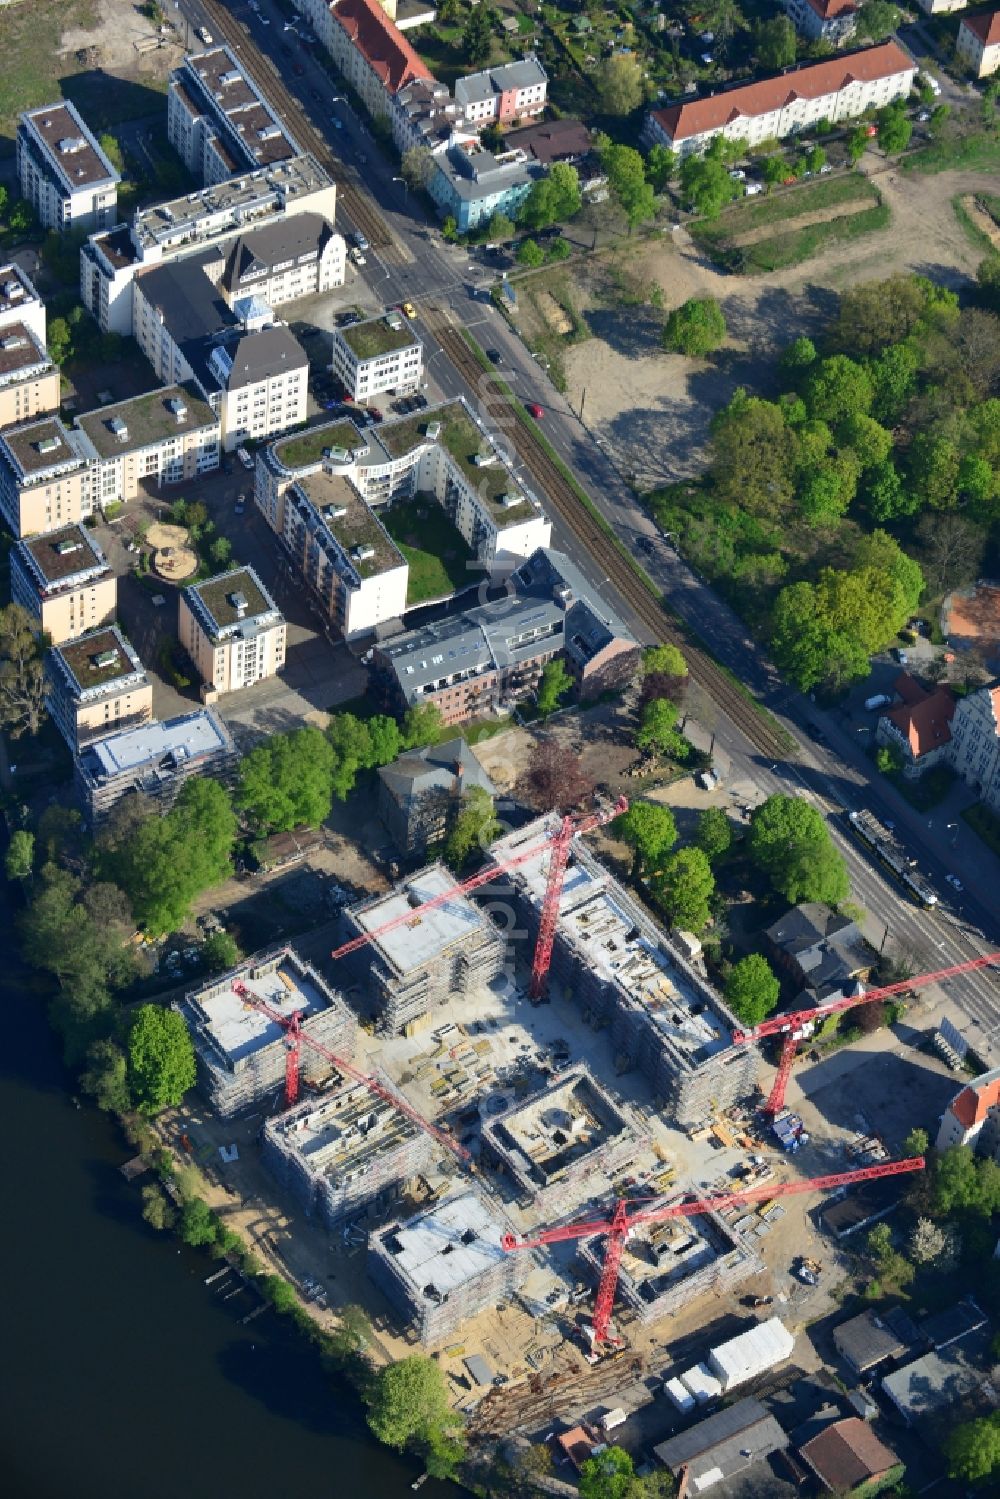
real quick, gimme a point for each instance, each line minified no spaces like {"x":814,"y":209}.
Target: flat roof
{"x":190,"y":736}
{"x":494,"y":484}
{"x":217,"y":597}
{"x":373,"y":337}
{"x":145,"y":420}
{"x":416,"y":942}
{"x":240,"y":202}
{"x":16,"y":289}
{"x":352,"y":524}
{"x":308,"y":447}
{"x":83,"y":658}
{"x":20,"y":350}
{"x":69,"y":145}
{"x":345,"y":1128}
{"x":931,"y":1384}
{"x":233,"y":99}
{"x":41,"y":445}
{"x":64,"y":554}
{"x":238,"y":1029}
{"x":446,"y":1247}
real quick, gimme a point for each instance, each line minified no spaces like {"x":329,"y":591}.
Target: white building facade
{"x":233,"y":631}
{"x":978,"y":44}
{"x":377,"y":354}
{"x":63,"y":172}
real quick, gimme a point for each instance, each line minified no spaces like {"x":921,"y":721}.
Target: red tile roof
{"x":380,"y":42}
{"x":577,"y":1444}
{"x":829,"y":10}
{"x":924,"y":723}
{"x":908,"y":688}
{"x":812,"y":81}
{"x":974,"y":1103}
{"x":848,"y":1453}
{"x":986,"y":27}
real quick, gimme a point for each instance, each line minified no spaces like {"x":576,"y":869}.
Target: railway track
{"x":356,"y":203}
{"x":562,"y":498}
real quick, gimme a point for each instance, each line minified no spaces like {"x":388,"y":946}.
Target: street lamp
{"x":406,"y":186}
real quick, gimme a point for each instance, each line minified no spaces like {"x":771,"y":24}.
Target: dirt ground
{"x":120,"y":38}
{"x":653,"y":409}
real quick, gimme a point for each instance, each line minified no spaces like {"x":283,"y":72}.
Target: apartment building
{"x":215,"y":216}
{"x":233,"y":631}
{"x":372,"y":54}
{"x":839,"y":88}
{"x":20,"y":302}
{"x":46,"y":479}
{"x":470,"y":183}
{"x":975,"y":743}
{"x":514,"y":91}
{"x":919,"y":727}
{"x":96,"y":686}
{"x":163,"y":437}
{"x":424,"y":113}
{"x":63,"y":172}
{"x":29,"y":381}
{"x":64,"y":582}
{"x":823,"y":20}
{"x":978,"y":43}
{"x":154,"y":759}
{"x":219,"y":122}
{"x":281,"y":262}
{"x":377,"y":354}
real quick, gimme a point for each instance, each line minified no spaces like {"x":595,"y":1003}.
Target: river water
{"x":123,"y":1379}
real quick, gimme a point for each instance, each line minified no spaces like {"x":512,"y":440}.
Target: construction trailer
{"x":446,"y":1266}
{"x":557,"y":1144}
{"x":345,"y":1151}
{"x":240,"y":1051}
{"x":625,"y":975}
{"x":422,"y":963}
{"x":666,"y":1266}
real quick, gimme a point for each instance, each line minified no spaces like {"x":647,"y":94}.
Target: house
{"x":978,"y":43}
{"x":973,"y":1116}
{"x":64,"y":581}
{"x":974,"y":752}
{"x":723,"y":1445}
{"x":847,"y":1454}
{"x":233,"y":631}
{"x":419,"y":790}
{"x":63,"y":172}
{"x":873,"y":1338}
{"x":823,"y":20}
{"x":920,"y":727}
{"x":425,"y":114}
{"x":470,"y":184}
{"x":931,"y":1386}
{"x":551,"y":140}
{"x":499,"y":95}
{"x":373,"y":54}
{"x":96,"y":686}
{"x":820,"y":949}
{"x":377,"y":354}
{"x":838,"y":88}
{"x":155,"y":759}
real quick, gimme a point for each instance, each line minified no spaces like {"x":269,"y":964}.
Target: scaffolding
{"x":626,"y":977}
{"x":424,"y":962}
{"x":345,"y":1152}
{"x":240,"y":1052}
{"x":446,"y":1266}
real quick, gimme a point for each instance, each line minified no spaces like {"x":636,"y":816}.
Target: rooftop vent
{"x":335,"y":512}
{"x":104,"y":659}
{"x":233,"y":76}
{"x":14,"y":341}
{"x":70,"y":144}
{"x":12,"y":290}
{"x":178,"y":407}
{"x":483,"y":460}
{"x":395,"y":321}
{"x":119,"y":427}
{"x":509,"y":499}
{"x":337,"y":455}
{"x":66,"y":546}
{"x":239,"y":603}
{"x":48,"y":444}
{"x":363,"y":553}
{"x":433,"y":431}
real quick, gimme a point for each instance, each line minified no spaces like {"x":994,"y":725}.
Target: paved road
{"x":447,"y":280}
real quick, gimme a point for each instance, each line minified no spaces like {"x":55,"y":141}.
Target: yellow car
{"x":409,"y":309}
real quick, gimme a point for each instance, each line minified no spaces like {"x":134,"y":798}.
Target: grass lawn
{"x":985,"y":824}
{"x":976,"y":150}
{"x":801,"y":244}
{"x":437,"y":555}
{"x":788,"y":247}
{"x":807,"y":197}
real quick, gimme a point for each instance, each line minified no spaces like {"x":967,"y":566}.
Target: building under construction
{"x":446,"y":1266}
{"x":427,"y":960}
{"x":614,"y":963}
{"x":667,"y":1265}
{"x":559,"y":1143}
{"x":241,"y":1051}
{"x":345,"y":1151}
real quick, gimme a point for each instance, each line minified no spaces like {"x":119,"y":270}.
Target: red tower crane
{"x":558,"y":842}
{"x":794,"y":1024}
{"x":296,"y":1037}
{"x":622,"y":1222}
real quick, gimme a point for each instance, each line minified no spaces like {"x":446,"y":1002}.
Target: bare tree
{"x":951,"y":550}
{"x":22,"y":677}
{"x":554,"y":779}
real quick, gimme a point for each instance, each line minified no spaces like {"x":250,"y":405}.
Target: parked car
{"x":826,"y":167}
{"x":737,"y":175}
{"x":494,"y":356}
{"x":754,"y":189}
{"x":408,"y":310}
{"x":241,"y":504}
{"x":880,"y":700}
{"x":244,"y":457}
{"x":535,"y":410}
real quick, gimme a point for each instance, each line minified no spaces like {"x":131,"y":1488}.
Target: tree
{"x":626,"y":174}
{"x":857,"y":144}
{"x":894,"y":380}
{"x":871,"y":443}
{"x":665,"y":660}
{"x":161,"y":1065}
{"x":22,"y":676}
{"x":753,"y":456}
{"x":650,"y":831}
{"x":936,"y":1244}
{"x":877,"y":19}
{"x":554,"y":778}
{"x":894,"y":129}
{"x":21,"y":218}
{"x":156,"y":1210}
{"x":473,"y":829}
{"x":535,"y":1461}
{"x":530,"y":254}
{"x":219,"y":952}
{"x":444,"y":1452}
{"x":221,"y":551}
{"x":619,"y":84}
{"x":287,"y":781}
{"x":105,"y":1077}
{"x":961,"y":1183}
{"x":714,"y":834}
{"x":988,"y":277}
{"x":951,"y":550}
{"x":553,"y":199}
{"x":886,"y":494}
{"x":477,"y":38}
{"x":553,"y":685}
{"x":409,"y":1401}
{"x":657,"y":732}
{"x":113,"y":151}
{"x":775,"y":43}
{"x":815,"y":159}
{"x":661,"y":164}
{"x":916,"y":1143}
{"x":877,"y":314}
{"x":696,"y":328}
{"x":500,"y":227}
{"x":838,"y":388}
{"x":707,"y":185}
{"x":609,"y":1475}
{"x":973,"y":1448}
{"x":20,"y":858}
{"x":789,"y":842}
{"x":800,"y":355}
{"x":752,"y":989}
{"x":417,"y":167}
{"x":685,"y":887}
{"x":422,"y":724}
{"x":199,"y":1224}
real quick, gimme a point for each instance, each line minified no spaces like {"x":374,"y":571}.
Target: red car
{"x":871,"y":130}
{"x":535,"y":410}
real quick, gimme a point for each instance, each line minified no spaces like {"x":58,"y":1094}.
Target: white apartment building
{"x":823,"y":20}
{"x":978,"y":43}
{"x":284,"y":261}
{"x":96,"y":686}
{"x":233,"y":631}
{"x":218,"y":217}
{"x":941,"y":7}
{"x":839,"y":88}
{"x":63,"y":580}
{"x":219,"y":122}
{"x":29,"y":381}
{"x":514,"y":91}
{"x":975,"y":743}
{"x":163,"y":437}
{"x":63,"y":172}
{"x":372,"y":53}
{"x":20,"y":302}
{"x":377,"y":354}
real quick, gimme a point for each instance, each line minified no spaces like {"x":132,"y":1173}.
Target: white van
{"x":880,"y":700}
{"x":244,"y":457}
{"x":204,"y":35}
{"x":754,"y":189}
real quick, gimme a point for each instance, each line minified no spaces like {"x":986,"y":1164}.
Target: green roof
{"x":217,"y":595}
{"x":352,"y":524}
{"x":97,"y":659}
{"x":463,"y":440}
{"x":148,"y":419}
{"x":370,"y":339}
{"x":308,"y":447}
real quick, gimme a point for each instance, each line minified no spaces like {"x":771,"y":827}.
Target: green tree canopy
{"x":789,"y":841}
{"x":20,"y":857}
{"x":619,"y":84}
{"x":894,"y":129}
{"x":417,"y":167}
{"x":22,"y":676}
{"x":657,"y":732}
{"x":877,"y":19}
{"x":105,"y":1077}
{"x":753,"y":456}
{"x":553,"y":199}
{"x":650,"y":831}
{"x":198,"y":1224}
{"x":685,"y":887}
{"x":800,"y":355}
{"x":553,"y":686}
{"x":161,"y":1066}
{"x":838,"y":388}
{"x":894,"y":380}
{"x":220,"y":952}
{"x":973,"y":1448}
{"x":815,"y":159}
{"x":626,"y":174}
{"x":663,"y":658}
{"x":530,"y":253}
{"x":422,"y":724}
{"x":775,"y":41}
{"x":752,"y":989}
{"x":875,"y":315}
{"x":286,"y":782}
{"x":871,"y":443}
{"x":473,"y":829}
{"x":409,"y":1401}
{"x":707,"y":185}
{"x":661,"y":164}
{"x":696,"y":328}
{"x":714,"y":834}
{"x":608,"y":1475}
{"x":961,"y":1182}
{"x":477,"y":38}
